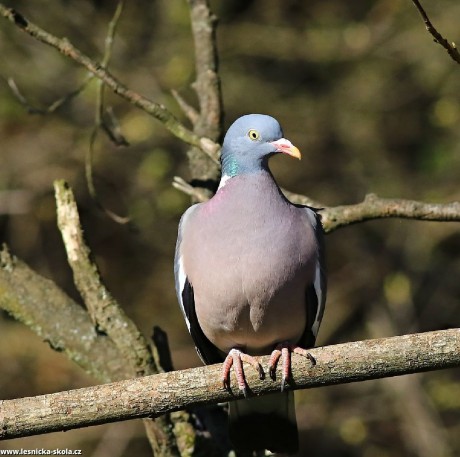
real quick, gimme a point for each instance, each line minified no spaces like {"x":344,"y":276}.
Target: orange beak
{"x":286,"y":147}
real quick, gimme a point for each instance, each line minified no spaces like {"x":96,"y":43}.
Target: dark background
{"x":359,"y":87}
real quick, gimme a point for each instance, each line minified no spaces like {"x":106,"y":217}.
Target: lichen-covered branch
{"x":450,"y":47}
{"x":107,"y":313}
{"x":208,"y":120}
{"x":58,"y":320}
{"x":156,"y":395}
{"x":103,"y":308}
{"x":207,"y":83}
{"x":156,"y":110}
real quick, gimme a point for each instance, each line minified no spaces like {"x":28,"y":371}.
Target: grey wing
{"x":206,"y":350}
{"x":316,"y":292}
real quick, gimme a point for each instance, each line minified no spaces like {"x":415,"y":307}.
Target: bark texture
{"x":152,"y":396}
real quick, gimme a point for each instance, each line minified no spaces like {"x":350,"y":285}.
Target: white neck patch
{"x":223,"y":181}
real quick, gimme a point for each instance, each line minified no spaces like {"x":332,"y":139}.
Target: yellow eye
{"x":253,"y":134}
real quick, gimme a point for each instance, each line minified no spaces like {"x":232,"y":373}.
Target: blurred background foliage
{"x":359,"y":87}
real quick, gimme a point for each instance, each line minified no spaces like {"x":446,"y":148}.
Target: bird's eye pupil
{"x":253,"y":134}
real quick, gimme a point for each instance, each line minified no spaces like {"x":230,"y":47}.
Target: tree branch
{"x":208,"y":121}
{"x":207,"y":83}
{"x":374,"y":207}
{"x":153,"y":396}
{"x":203,"y":27}
{"x":57,"y":319}
{"x":104,"y":310}
{"x":407,"y":396}
{"x":107,"y":313}
{"x":53,"y":106}
{"x":156,"y":110}
{"x":105,"y":120}
{"x":301,"y":199}
{"x":198,"y":194}
{"x":191,"y":113}
{"x":451,"y":48}
{"x":163,"y":393}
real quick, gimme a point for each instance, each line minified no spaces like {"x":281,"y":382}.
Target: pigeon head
{"x":250,"y":141}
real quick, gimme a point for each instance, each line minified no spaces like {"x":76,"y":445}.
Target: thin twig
{"x":112,"y":127}
{"x":91,"y":186}
{"x":191,"y":113}
{"x":101,"y":122}
{"x":103,"y":118}
{"x":156,"y":110}
{"x":197,"y":193}
{"x":450,"y":47}
{"x":53,"y":106}
{"x":301,"y":199}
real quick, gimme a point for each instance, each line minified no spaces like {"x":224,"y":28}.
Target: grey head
{"x":250,"y":141}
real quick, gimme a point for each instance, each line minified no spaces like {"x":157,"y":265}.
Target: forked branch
{"x":65,"y":47}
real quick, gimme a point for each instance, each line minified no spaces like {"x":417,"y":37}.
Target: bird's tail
{"x":266,"y":422}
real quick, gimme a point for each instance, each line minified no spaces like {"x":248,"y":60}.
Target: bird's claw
{"x":236,"y":358}
{"x":283,"y":351}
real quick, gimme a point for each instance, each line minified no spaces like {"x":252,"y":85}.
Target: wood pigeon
{"x":250,"y":279}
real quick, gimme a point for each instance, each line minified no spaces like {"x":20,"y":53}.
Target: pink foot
{"x":283,"y":351}
{"x":236,"y":358}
